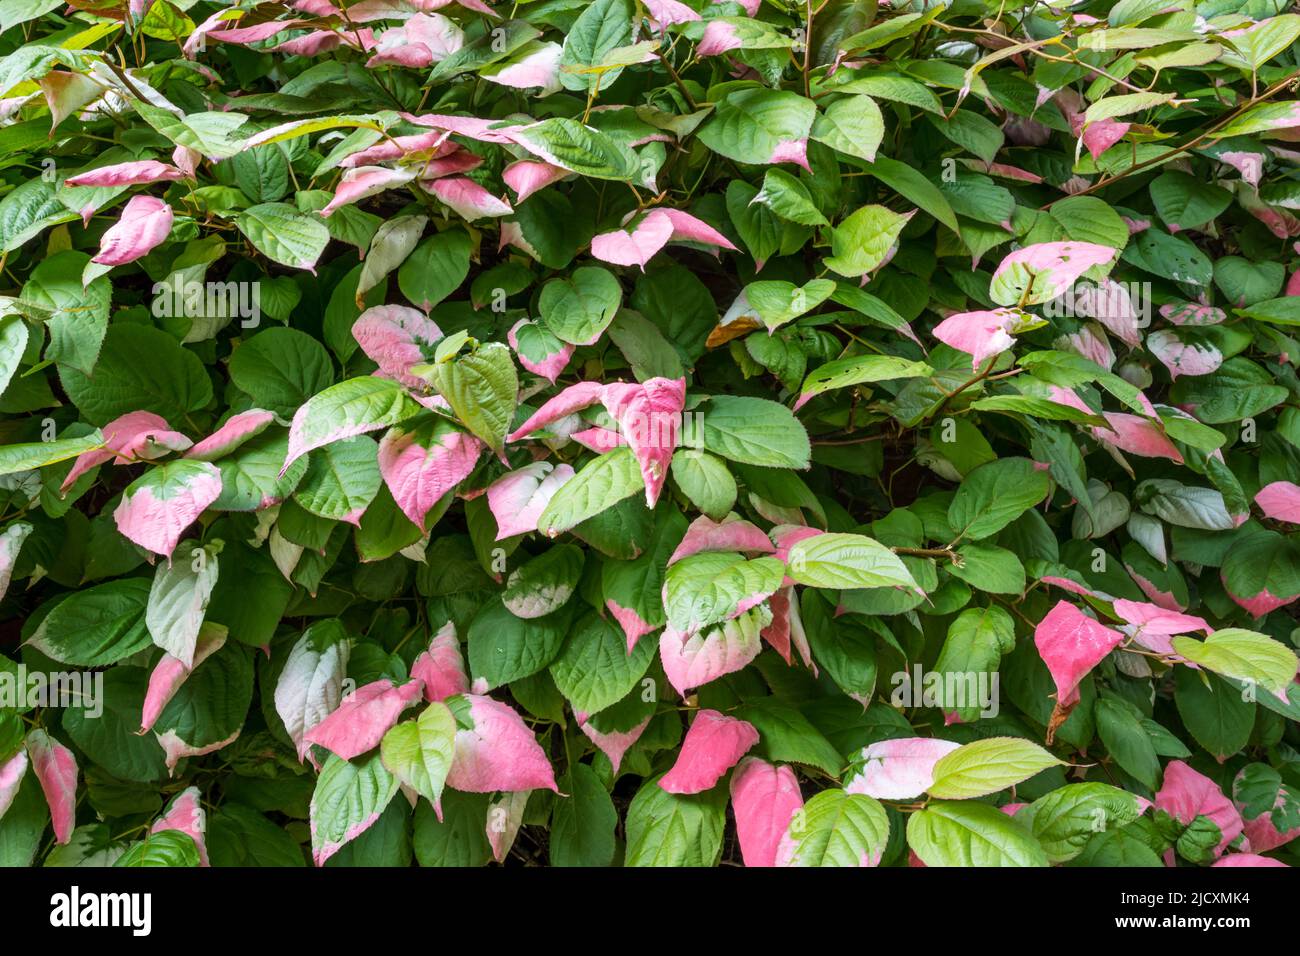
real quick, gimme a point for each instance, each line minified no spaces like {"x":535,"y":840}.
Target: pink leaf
{"x":1186,"y":795}
{"x":1103,"y":134}
{"x":668,"y":12}
{"x":56,"y":769}
{"x":1052,"y":267}
{"x":137,"y":173}
{"x":764,"y":798}
{"x":1183,"y":358}
{"x":634,"y":626}
{"x":899,"y":769}
{"x":435,"y":142}
{"x":713,"y":745}
{"x":498,"y":752}
{"x":363,"y":718}
{"x":467,"y":197}
{"x":979,"y":334}
{"x":1137,"y":436}
{"x":421,"y":465}
{"x":527,"y":176}
{"x":570,"y":400}
{"x":238,"y":429}
{"x":791,"y":151}
{"x":12,"y":772}
{"x":615,"y":743}
{"x":538,"y":69}
{"x":1153,"y":625}
{"x":1249,"y":859}
{"x":637,"y":247}
{"x":363,"y":181}
{"x":154,"y":516}
{"x":518,"y":499}
{"x":135,"y":436}
{"x":1071,"y":644}
{"x":552,"y":364}
{"x":1280,"y":500}
{"x":719,"y":37}
{"x":649,"y":418}
{"x":692,"y":660}
{"x":441,"y":668}
{"x":688,"y":228}
{"x":396,"y":337}
{"x":145,"y":222}
{"x":185,"y":814}
{"x":731,"y":534}
{"x":170,"y":673}
{"x":175,"y":748}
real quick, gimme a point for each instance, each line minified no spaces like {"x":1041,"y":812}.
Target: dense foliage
{"x":649,"y":432}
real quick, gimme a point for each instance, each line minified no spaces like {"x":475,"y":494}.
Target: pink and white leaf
{"x":764,"y":798}
{"x":518,"y":499}
{"x":442,"y":667}
{"x":185,"y":814}
{"x":362,"y":719}
{"x":56,"y":770}
{"x":144,"y":223}
{"x":899,"y":769}
{"x":498,"y":752}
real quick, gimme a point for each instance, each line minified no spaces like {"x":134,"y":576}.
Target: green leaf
{"x":505,"y":648}
{"x":348,"y":799}
{"x":756,"y":125}
{"x":987,"y":766}
{"x":777,"y":302}
{"x":280,"y":369}
{"x":1120,"y":728}
{"x":284,"y":235}
{"x":839,"y":560}
{"x":601,"y":483}
{"x":97,"y":626}
{"x":1215,"y":713}
{"x":140,"y":369}
{"x":481,"y":388}
{"x":583,"y":823}
{"x":579,"y":308}
{"x":594,"y":669}
{"x":971,"y":834}
{"x":342,"y":479}
{"x":861,"y":242}
{"x":705,"y":481}
{"x":30,"y":455}
{"x":418,"y":752}
{"x":435,"y":269}
{"x":788,"y":198}
{"x":580,"y":149}
{"x":853,"y":125}
{"x":350,"y":408}
{"x":714,"y":586}
{"x":754,"y":431}
{"x":1243,"y":655}
{"x":603,"y":27}
{"x":170,"y":848}
{"x":1064,"y":820}
{"x":669,"y":829}
{"x":835,"y":828}
{"x":994,"y":495}
{"x":913,"y":186}
{"x":859,"y":370}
